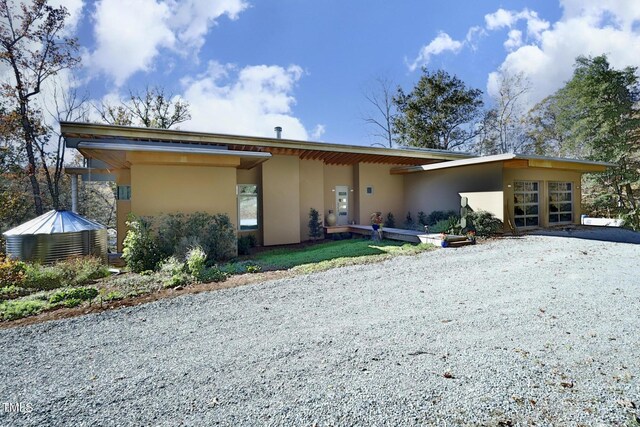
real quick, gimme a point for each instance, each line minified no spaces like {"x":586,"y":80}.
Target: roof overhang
{"x":114,"y":151}
{"x":77,"y":133}
{"x":512,"y":161}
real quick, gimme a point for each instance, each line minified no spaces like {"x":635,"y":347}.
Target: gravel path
{"x":533,"y":330}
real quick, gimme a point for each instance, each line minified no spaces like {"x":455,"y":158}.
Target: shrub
{"x":12,"y":272}
{"x":140,"y":250}
{"x":245,"y":243}
{"x":484,"y":223}
{"x":71,"y":294}
{"x":12,"y":292}
{"x":171,"y":266}
{"x":435,"y":216}
{"x":213,"y":274}
{"x":255,"y":268}
{"x":316,"y":230}
{"x":17,"y":309}
{"x":81,"y":270}
{"x":409,"y":224}
{"x":112,"y":296}
{"x":44,"y":277}
{"x":215,"y":234}
{"x":390,"y":222}
{"x":196,"y":262}
{"x":176,"y":280}
{"x":422,"y":219}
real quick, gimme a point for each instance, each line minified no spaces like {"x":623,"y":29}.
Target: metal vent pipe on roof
{"x":278,"y":130}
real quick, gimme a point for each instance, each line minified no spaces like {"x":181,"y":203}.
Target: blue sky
{"x":246,"y":66}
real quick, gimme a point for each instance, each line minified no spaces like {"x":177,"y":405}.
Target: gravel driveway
{"x":533,"y":330}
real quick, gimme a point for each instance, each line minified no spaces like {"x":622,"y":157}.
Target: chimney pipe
{"x":278,"y":130}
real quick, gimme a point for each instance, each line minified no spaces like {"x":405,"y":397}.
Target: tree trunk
{"x":32,"y":168}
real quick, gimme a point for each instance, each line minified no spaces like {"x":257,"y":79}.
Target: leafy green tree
{"x":33,"y":47}
{"x":440,"y":112}
{"x":598,"y":116}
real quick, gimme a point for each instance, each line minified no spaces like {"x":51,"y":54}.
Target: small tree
{"x":315,"y":225}
{"x":390,"y":222}
{"x":408,"y":222}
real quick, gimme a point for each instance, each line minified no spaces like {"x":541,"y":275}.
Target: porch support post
{"x":74,"y":193}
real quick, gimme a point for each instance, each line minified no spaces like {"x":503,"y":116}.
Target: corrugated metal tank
{"x":56,"y":235}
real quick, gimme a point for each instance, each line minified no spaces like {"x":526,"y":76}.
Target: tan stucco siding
{"x":490,"y":201}
{"x":439,"y":190}
{"x":123,"y":207}
{"x":281,"y":200}
{"x":311,"y":193}
{"x":543,"y":176}
{"x":387,"y":196}
{"x":157,"y":189}
{"x":335,"y":175}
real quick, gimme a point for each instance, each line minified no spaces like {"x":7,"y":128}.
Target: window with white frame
{"x":247,"y":207}
{"x":560,"y":202}
{"x":526,"y":205}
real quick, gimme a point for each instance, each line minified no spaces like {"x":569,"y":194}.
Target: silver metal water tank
{"x":56,"y":235}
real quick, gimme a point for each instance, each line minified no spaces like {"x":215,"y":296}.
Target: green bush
{"x":44,"y":277}
{"x":245,"y":243}
{"x":70,"y":294}
{"x":213,"y":274}
{"x":81,"y":270}
{"x":140,"y":251}
{"x":436,"y":216}
{"x":176,"y":280}
{"x":215,"y":234}
{"x":316,"y":230}
{"x":17,"y":309}
{"x":11,"y":272}
{"x":422,"y":219}
{"x":112,"y":296}
{"x":171,"y":266}
{"x":12,"y":292}
{"x":409,"y":224}
{"x":390,"y":222}
{"x":484,"y":223}
{"x":254,"y":268}
{"x":196,"y":262}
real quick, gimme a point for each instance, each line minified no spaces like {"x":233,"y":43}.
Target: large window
{"x":247,"y":206}
{"x":525,"y":203}
{"x":560,"y":202}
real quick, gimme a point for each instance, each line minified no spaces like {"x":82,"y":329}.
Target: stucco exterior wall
{"x":388,"y":192}
{"x":543,"y":176}
{"x":311,"y":193}
{"x":335,"y":175}
{"x":439,"y":190}
{"x":281,"y":200}
{"x":157,"y":189}
{"x":490,"y":201}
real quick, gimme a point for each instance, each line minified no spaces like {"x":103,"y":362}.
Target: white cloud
{"x":192,"y":18}
{"x":442,"y":43}
{"x":587,"y":27}
{"x":318,"y":131}
{"x":500,"y":19}
{"x":249,"y":101}
{"x":131,"y":35}
{"x":514,"y":41}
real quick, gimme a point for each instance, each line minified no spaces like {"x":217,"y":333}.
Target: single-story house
{"x":268,"y":185}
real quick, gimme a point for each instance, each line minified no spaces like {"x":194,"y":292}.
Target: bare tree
{"x":34,"y":48}
{"x":153,"y":109}
{"x":381,"y":118}
{"x":505,"y":122}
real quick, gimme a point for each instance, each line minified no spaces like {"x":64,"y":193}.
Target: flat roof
{"x":77,"y":133}
{"x":530,"y":159}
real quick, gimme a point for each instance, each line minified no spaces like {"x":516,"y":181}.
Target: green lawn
{"x":335,"y":254}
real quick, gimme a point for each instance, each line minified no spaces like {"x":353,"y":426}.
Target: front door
{"x":342,"y":205}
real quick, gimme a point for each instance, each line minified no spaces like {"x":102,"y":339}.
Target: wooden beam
{"x":515,"y":164}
